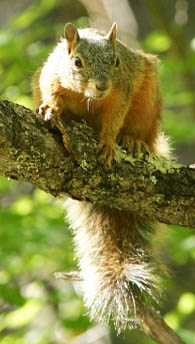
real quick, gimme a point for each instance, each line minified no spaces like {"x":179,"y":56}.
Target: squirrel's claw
{"x":50,"y":114}
{"x":46,"y":111}
{"x":135,"y":147}
{"x":127,"y":143}
{"x":107,"y":154}
{"x":139,"y":148}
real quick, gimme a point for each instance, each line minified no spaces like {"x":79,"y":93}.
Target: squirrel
{"x":93,"y":76}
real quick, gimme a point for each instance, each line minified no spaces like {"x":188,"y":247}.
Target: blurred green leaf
{"x":157,"y":41}
{"x":186,"y":304}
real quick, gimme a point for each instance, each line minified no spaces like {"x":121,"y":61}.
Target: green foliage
{"x":34,"y":244}
{"x":24,"y":45}
{"x":35,"y":240}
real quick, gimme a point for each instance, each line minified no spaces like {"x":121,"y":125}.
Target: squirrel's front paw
{"x":108,"y":152}
{"x":47,"y":111}
{"x":134,"y":147}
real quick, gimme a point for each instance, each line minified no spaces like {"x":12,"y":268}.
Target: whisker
{"x":88,"y":104}
{"x":83,"y":99}
{"x":92,"y":107}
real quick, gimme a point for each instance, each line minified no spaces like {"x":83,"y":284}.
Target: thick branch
{"x":161,"y":190}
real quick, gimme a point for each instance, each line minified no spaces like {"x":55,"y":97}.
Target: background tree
{"x":36,"y":308}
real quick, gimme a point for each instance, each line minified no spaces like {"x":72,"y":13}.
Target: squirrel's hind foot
{"x":134,"y":147}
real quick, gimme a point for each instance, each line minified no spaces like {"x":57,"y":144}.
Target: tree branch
{"x":31,"y":151}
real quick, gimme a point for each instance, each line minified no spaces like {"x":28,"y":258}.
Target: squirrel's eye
{"x":117,"y":62}
{"x":78,"y":62}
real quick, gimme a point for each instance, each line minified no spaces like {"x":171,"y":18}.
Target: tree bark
{"x":30,"y":150}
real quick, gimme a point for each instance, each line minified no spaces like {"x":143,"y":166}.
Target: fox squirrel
{"x":93,"y":76}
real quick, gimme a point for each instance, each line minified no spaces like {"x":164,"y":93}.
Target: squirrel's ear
{"x":112,"y":33}
{"x":72,"y":36}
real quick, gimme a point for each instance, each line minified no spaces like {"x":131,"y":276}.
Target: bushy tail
{"x":115,"y":259}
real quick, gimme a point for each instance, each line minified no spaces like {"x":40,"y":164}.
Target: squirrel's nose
{"x":101,"y":85}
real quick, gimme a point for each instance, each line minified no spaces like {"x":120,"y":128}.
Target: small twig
{"x":72,"y":276}
{"x":148,"y":319}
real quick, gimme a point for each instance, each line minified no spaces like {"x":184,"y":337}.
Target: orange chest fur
{"x":78,"y":107}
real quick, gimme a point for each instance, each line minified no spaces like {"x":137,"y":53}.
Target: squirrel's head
{"x":92,"y":60}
